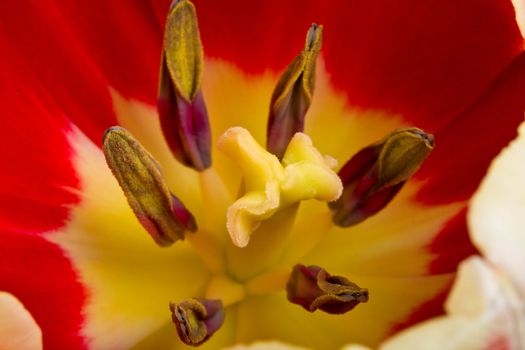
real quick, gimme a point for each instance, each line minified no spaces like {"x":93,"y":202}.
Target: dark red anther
{"x":313,"y":288}
{"x":373,"y":176}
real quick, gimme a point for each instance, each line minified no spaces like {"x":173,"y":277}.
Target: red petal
{"x":37,"y":178}
{"x":37,"y":273}
{"x":451,"y":245}
{"x":37,"y":185}
{"x":431,"y":308}
{"x":465,"y":148}
{"x":424,"y":59}
{"x":77,"y":50}
{"x":257,"y":35}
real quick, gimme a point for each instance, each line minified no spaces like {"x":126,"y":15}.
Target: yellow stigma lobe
{"x":271,"y":185}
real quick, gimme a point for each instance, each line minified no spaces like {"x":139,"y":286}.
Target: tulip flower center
{"x":129,"y":277}
{"x":292,"y":234}
{"x":252,"y":242}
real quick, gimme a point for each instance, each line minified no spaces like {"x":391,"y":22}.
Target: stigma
{"x":271,"y":185}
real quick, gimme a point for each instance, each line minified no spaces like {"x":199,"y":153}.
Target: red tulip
{"x":72,"y":251}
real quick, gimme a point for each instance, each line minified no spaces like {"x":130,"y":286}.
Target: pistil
{"x":271,"y":185}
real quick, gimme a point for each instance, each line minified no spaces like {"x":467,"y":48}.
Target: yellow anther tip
{"x":183,"y":49}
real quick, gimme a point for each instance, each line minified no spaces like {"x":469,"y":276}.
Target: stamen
{"x":293,"y":95}
{"x":374,"y":175}
{"x":270,"y":185}
{"x":182,"y":111}
{"x":197,"y":319}
{"x":313,"y":288}
{"x":161,"y":213}
{"x":313,"y":36}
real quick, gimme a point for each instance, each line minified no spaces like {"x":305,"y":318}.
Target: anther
{"x":312,"y":36}
{"x":373,"y":176}
{"x":197,"y":320}
{"x":161,"y":213}
{"x":182,"y":111}
{"x":292,"y":95}
{"x":313,"y":288}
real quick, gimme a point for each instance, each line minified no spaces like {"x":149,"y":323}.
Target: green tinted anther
{"x":139,"y":175}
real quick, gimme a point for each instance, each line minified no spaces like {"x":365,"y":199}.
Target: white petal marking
{"x":18,"y":329}
{"x":497,"y":214}
{"x":519,"y":7}
{"x":484,"y":311}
